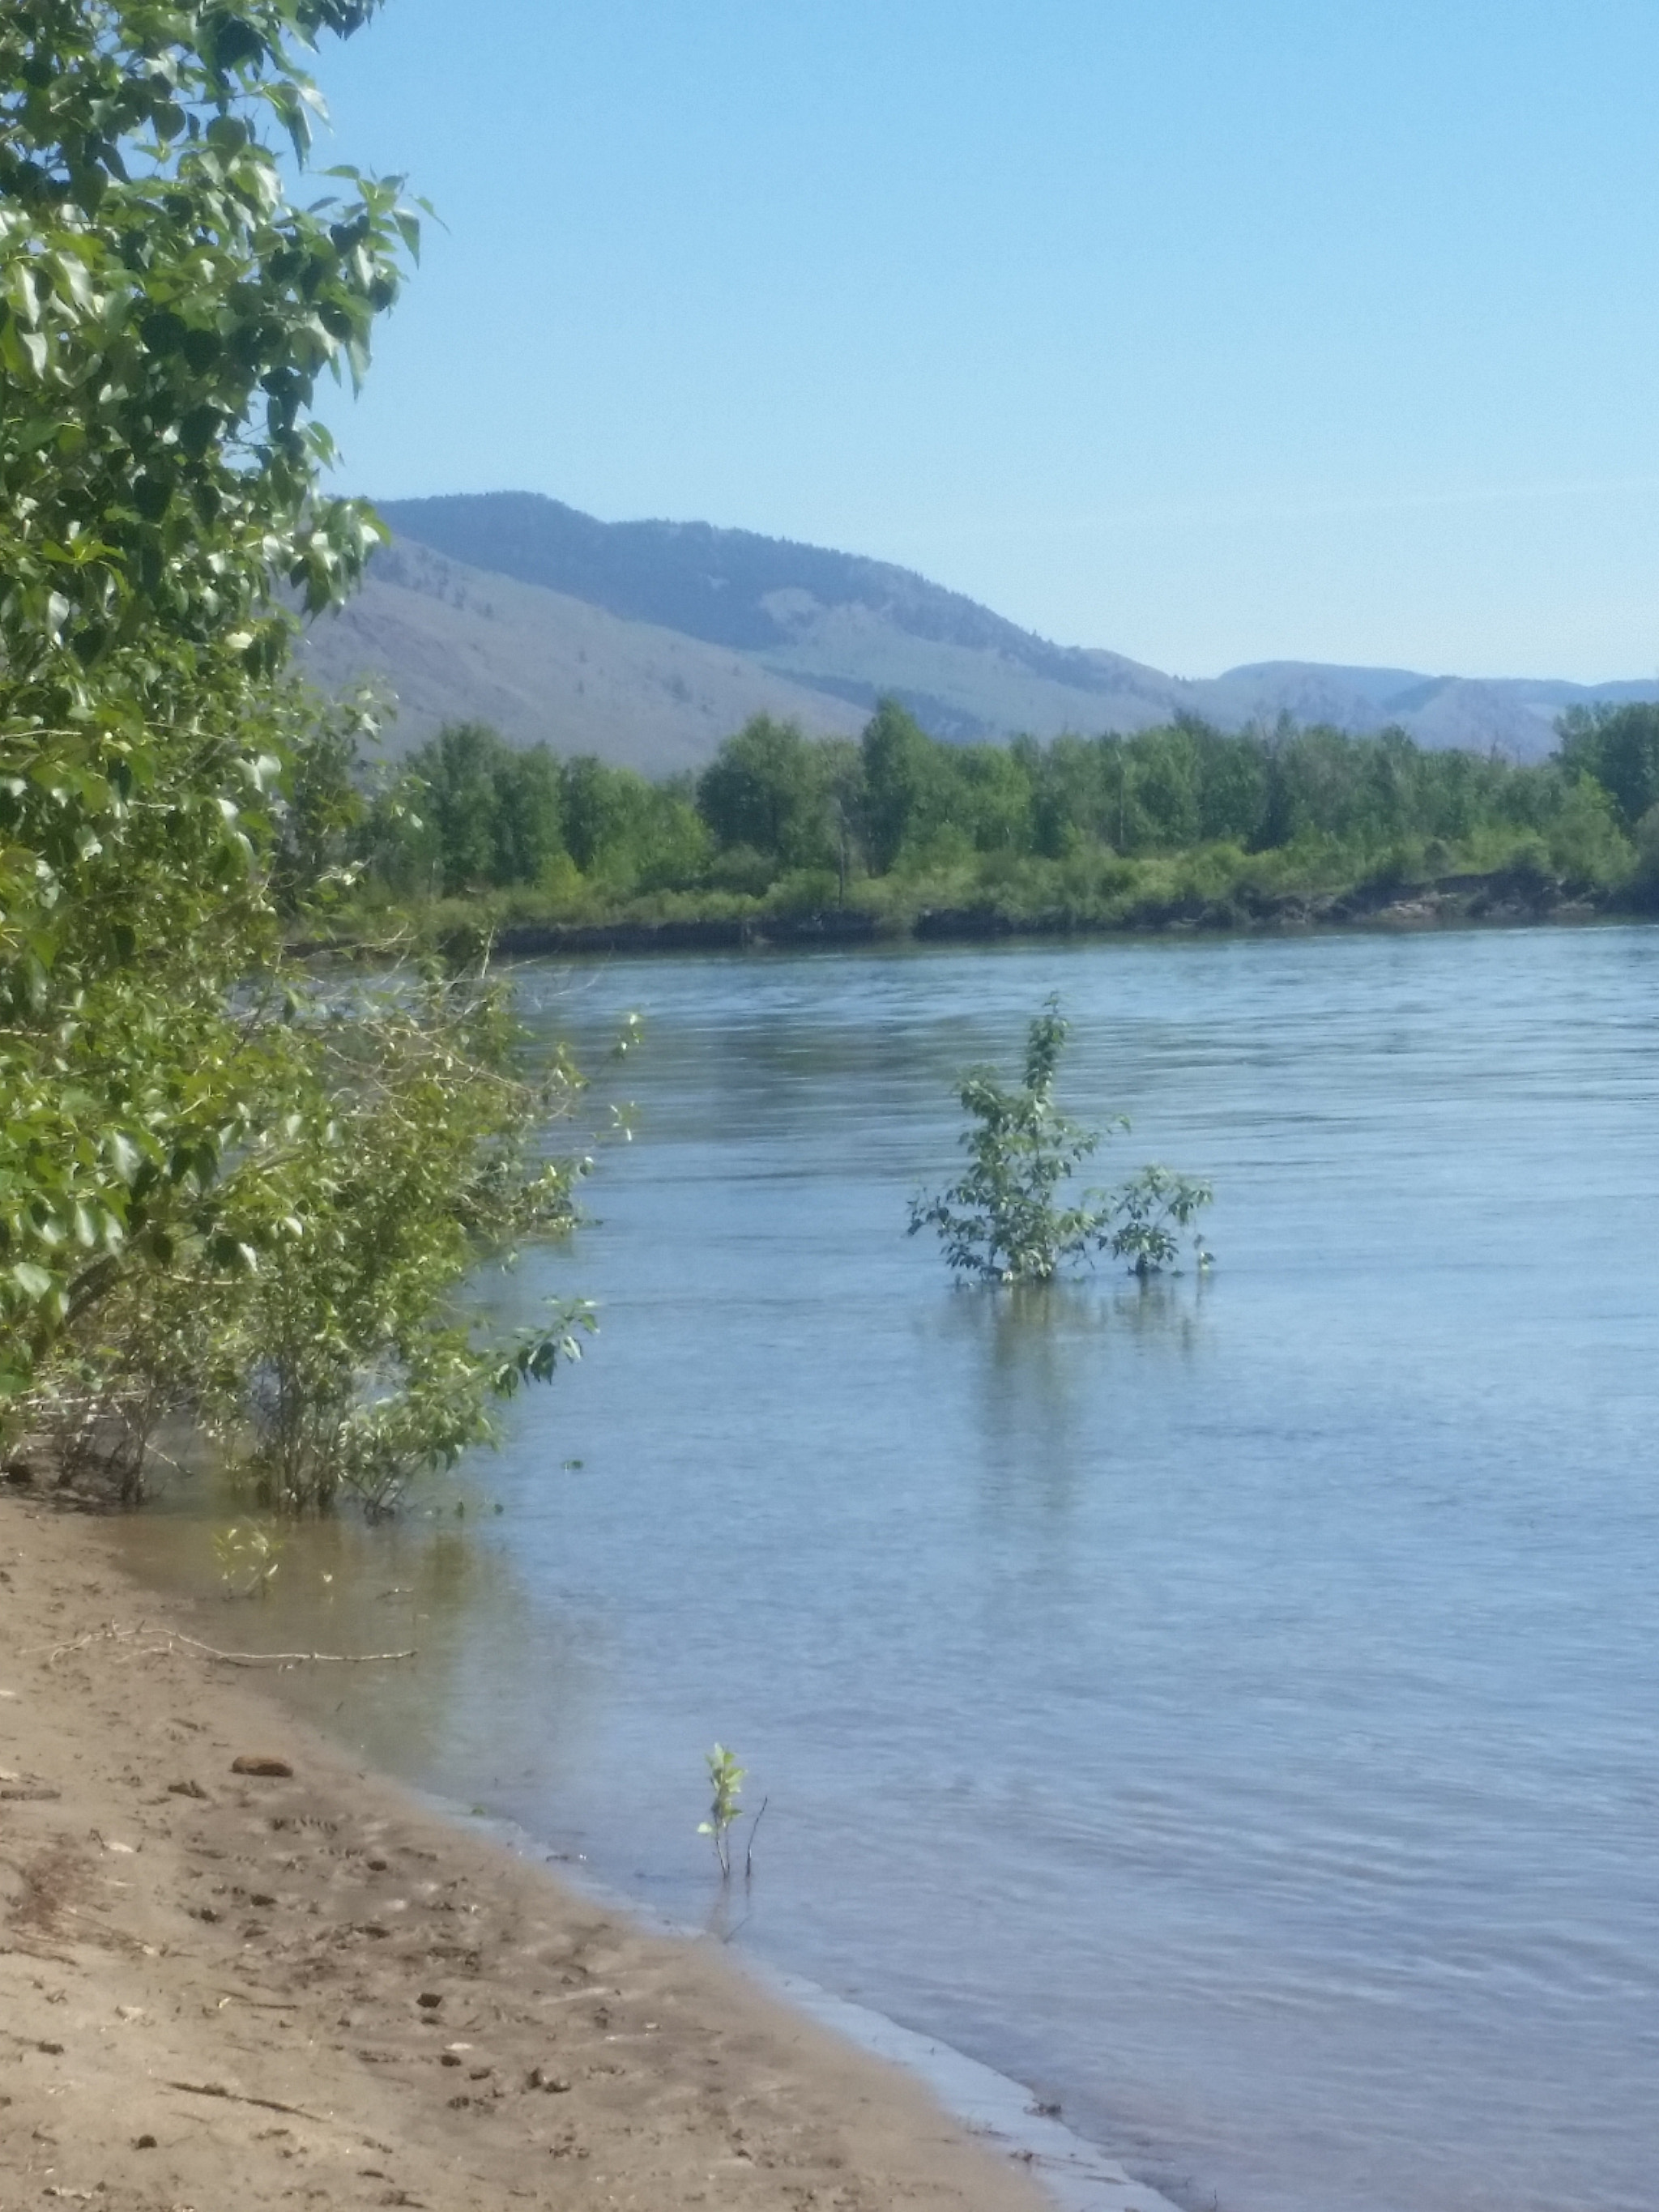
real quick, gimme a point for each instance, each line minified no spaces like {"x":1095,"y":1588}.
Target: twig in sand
{"x":172,"y":1638}
{"x":271,"y":2104}
{"x":235,"y":2097}
{"x":36,"y":1951}
{"x":291,"y":1658}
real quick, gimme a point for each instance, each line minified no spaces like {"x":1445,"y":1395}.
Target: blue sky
{"x":1209,"y":330}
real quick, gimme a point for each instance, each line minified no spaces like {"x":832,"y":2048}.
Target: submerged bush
{"x":1004,"y":1221}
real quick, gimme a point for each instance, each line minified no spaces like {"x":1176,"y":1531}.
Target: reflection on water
{"x":493,"y":1679}
{"x":1231,"y":1709}
{"x":1038,"y":1356}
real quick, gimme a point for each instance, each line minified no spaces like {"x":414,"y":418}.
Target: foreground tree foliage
{"x":1004,"y":1221}
{"x":222,"y":1193}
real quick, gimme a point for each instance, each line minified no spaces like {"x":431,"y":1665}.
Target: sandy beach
{"x":223,"y":1988}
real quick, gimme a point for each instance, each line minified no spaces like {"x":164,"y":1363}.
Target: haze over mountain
{"x":647,"y":642}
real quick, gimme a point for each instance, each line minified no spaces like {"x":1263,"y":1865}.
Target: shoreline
{"x":1506,"y":899}
{"x":222,"y":1987}
{"x":1076,"y":2175}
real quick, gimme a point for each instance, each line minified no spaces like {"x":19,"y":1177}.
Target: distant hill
{"x":647,"y":642}
{"x":458,"y":644}
{"x":1516,"y":715}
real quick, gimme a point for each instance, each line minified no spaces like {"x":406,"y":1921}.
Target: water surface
{"x":1231,"y":1709}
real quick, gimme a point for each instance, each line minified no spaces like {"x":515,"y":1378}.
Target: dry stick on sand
{"x":172,"y":1637}
{"x":271,"y":2105}
{"x":235,"y":2097}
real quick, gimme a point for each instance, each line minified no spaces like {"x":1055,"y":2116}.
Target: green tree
{"x":530,"y":826}
{"x":489,"y":814}
{"x":453,"y":781}
{"x":191,"y":1133}
{"x":1232,"y":775}
{"x":994,"y":793}
{"x":764,"y":789}
{"x":627,"y":835}
{"x":1586,"y":842}
{"x":1069,"y":809}
{"x":1618,"y":746}
{"x":1166,"y":787}
{"x":1004,"y":1221}
{"x":604,"y":808}
{"x":903,"y":786}
{"x":165,"y":314}
{"x":306,"y":1318}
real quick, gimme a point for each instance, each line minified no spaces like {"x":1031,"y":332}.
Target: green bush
{"x":1004,"y":1221}
{"x":229,"y":1192}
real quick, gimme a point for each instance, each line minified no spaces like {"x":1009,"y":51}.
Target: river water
{"x":1232,"y":1709}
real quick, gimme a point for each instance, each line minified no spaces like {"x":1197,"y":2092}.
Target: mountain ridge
{"x":649,"y":641}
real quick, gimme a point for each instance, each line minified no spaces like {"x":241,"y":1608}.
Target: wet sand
{"x":222,"y":1988}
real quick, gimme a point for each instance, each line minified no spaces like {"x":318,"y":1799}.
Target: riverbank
{"x":225,"y":1986}
{"x":1506,"y":897}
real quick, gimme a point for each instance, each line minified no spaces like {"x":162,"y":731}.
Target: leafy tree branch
{"x":229,"y":1193}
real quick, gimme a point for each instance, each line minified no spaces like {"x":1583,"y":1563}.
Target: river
{"x":1231,"y":1709}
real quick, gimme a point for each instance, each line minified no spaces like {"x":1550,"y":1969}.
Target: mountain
{"x":647,"y":642}
{"x":848,"y":628}
{"x":456,"y":644}
{"x":1515,"y":716}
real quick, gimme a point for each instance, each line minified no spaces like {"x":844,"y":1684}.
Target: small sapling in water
{"x":248,"y":1558}
{"x":726,"y":1776}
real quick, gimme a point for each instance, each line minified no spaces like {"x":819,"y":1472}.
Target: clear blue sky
{"x":1210,"y":330}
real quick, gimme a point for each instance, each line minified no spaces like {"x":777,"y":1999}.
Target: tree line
{"x":777,"y":813}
